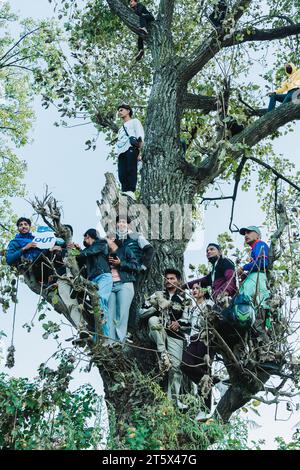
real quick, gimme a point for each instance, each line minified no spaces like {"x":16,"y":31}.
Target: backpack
{"x":241,"y":313}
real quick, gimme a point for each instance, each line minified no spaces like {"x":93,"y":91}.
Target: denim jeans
{"x":282,"y":98}
{"x":118,"y":305}
{"x":105,"y":284}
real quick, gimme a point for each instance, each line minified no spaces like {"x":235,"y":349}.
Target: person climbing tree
{"x":218,"y":14}
{"x":22,"y":247}
{"x":166,"y":329}
{"x":60,"y":279}
{"x":145,"y":18}
{"x":288,"y":88}
{"x":124,"y":268}
{"x":129,"y":141}
{"x":222,"y":277}
{"x":143,"y":252}
{"x":255,"y":284}
{"x":95,"y":257}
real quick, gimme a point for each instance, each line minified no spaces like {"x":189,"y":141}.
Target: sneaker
{"x":203,"y":416}
{"x":139,"y":55}
{"x":129,"y":194}
{"x":164,"y":362}
{"x":143,"y":30}
{"x":181,"y":406}
{"x":81,"y":343}
{"x":85,"y":334}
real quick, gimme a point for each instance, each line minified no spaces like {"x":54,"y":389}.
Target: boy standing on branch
{"x":129,"y":141}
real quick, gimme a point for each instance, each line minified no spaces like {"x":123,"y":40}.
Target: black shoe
{"x":272,"y":367}
{"x":139,"y":55}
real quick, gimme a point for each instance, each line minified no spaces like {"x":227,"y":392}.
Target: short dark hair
{"x":173,"y":271}
{"x":69,"y":227}
{"x":23,"y":219}
{"x":91,"y":232}
{"x":126,"y":106}
{"x":215,"y":245}
{"x":123,"y":217}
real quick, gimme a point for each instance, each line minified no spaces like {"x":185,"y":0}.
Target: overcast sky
{"x":56,"y":157}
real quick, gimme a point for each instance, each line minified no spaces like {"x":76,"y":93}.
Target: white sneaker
{"x":129,"y":194}
{"x":203,"y":416}
{"x":181,"y":406}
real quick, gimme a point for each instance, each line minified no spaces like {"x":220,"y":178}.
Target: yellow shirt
{"x":292,"y":82}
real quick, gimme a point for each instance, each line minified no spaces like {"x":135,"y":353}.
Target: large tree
{"x":193,"y":82}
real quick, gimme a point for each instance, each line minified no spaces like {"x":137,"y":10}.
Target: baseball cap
{"x":250,"y":228}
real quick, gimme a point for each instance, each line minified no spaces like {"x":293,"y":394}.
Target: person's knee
{"x":153,"y":322}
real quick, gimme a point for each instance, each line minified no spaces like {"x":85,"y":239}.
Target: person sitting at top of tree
{"x":129,"y":141}
{"x":23,"y":247}
{"x":218,"y":14}
{"x":286,"y":91}
{"x":164,"y":311}
{"x":145,"y":18}
{"x":222,"y":277}
{"x":255,"y":284}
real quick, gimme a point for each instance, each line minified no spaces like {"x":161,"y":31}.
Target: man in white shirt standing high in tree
{"x":130,"y":140}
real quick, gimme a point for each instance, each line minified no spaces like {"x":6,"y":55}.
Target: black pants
{"x":193,"y":364}
{"x":144,"y":22}
{"x":127,"y":169}
{"x":219,"y":12}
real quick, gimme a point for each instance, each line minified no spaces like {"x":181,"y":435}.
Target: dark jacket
{"x":140,"y":247}
{"x":222,"y":278}
{"x":14,"y":251}
{"x":129,"y":267}
{"x":142,"y":11}
{"x":95,"y":258}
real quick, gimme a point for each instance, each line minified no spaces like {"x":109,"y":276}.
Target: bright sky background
{"x":57,"y":157}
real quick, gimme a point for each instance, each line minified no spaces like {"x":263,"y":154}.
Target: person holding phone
{"x":124,"y":268}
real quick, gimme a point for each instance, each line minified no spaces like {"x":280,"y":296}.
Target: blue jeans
{"x":119,"y":304}
{"x":282,"y":98}
{"x":105,"y":284}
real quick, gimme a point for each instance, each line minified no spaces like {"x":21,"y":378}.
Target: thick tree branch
{"x":254,"y":34}
{"x":206,"y":103}
{"x":165,"y":12}
{"x":249,"y":137}
{"x":125,"y":14}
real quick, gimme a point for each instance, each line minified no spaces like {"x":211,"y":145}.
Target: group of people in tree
{"x":174,"y":318}
{"x":176,"y":325}
{"x":114,"y":264}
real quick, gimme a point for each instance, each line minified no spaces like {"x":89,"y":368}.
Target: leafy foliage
{"x":44,"y":414}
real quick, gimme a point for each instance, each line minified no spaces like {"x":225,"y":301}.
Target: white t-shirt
{"x":134,"y":129}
